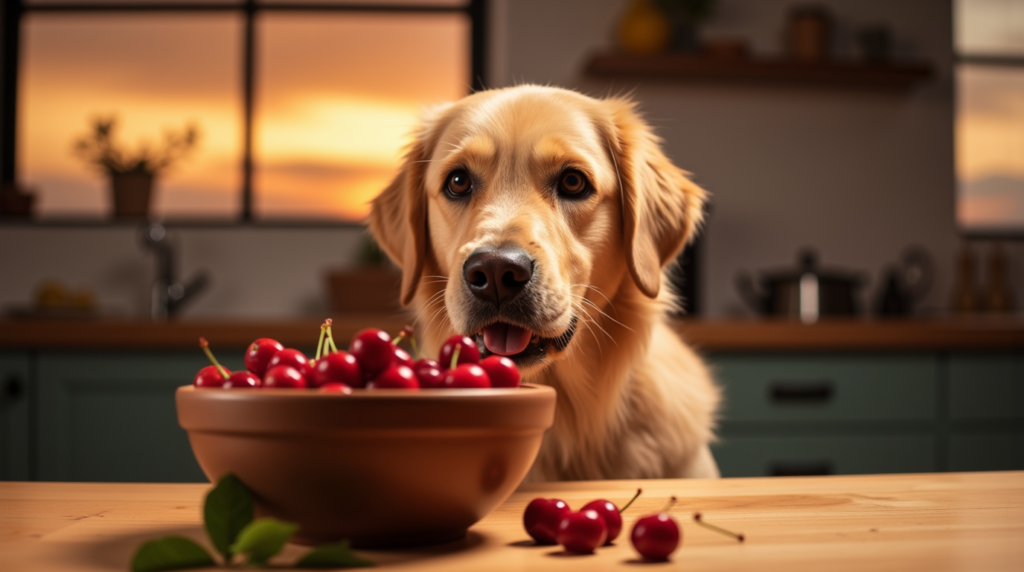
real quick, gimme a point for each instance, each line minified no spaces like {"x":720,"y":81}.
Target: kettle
{"x":806,"y":293}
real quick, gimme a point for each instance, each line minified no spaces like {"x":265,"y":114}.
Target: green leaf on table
{"x":170,"y":553}
{"x":227,"y":511}
{"x":336,"y":555}
{"x":262,"y":539}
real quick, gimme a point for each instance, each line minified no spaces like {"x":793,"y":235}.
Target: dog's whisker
{"x":605,"y":314}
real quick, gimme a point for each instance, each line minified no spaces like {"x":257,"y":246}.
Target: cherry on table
{"x":466,"y":376}
{"x":373,"y":349}
{"x":258,"y":356}
{"x":468,"y":352}
{"x":395,"y":377}
{"x":501,"y":370}
{"x":541,"y":519}
{"x":292,"y":358}
{"x":209,"y":376}
{"x":656,"y":536}
{"x":582,"y":532}
{"x":284,"y":377}
{"x":429,"y":373}
{"x":243,"y":380}
{"x":612,"y":514}
{"x":337,"y":367}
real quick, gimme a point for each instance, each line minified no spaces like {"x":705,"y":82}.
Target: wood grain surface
{"x":975,"y":333}
{"x":927,"y":522}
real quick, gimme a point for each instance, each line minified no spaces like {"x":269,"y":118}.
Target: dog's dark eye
{"x":572,"y":183}
{"x":458,"y":184}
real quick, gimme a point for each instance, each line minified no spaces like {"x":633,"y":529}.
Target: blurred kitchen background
{"x":209,"y":162}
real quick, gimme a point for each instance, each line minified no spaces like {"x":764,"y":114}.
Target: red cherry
{"x":612,"y":514}
{"x":501,"y":370}
{"x":373,"y":349}
{"x":656,"y":536}
{"x":335,"y":387}
{"x":243,"y":380}
{"x":284,"y":377}
{"x":402,"y":357}
{"x":291,"y":358}
{"x":258,"y":356}
{"x":468,"y":353}
{"x":429,"y":373}
{"x":337,"y":367}
{"x":395,"y":377}
{"x":541,"y":519}
{"x":466,"y":376}
{"x":581,"y":532}
{"x":209,"y":376}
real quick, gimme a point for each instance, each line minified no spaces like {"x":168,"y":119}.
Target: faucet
{"x":169,"y":295}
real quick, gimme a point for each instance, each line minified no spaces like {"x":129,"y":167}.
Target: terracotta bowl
{"x":382,"y":468}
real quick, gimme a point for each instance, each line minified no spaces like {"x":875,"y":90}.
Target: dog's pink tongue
{"x":506,"y":339}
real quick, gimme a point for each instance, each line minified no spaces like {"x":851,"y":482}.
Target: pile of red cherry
{"x":373,"y":361}
{"x":599,"y":522}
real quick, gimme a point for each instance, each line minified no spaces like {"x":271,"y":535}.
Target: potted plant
{"x":373,"y":285}
{"x":132,"y":173}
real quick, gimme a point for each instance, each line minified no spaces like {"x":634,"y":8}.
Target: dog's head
{"x":527,"y":207}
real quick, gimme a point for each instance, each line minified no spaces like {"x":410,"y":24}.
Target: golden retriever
{"x":539,"y":221}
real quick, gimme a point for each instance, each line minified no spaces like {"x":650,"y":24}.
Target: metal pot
{"x":806,"y":293}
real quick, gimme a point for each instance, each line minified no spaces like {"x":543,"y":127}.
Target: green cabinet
{"x":15,"y":416}
{"x":860,"y":412}
{"x":110,"y":416}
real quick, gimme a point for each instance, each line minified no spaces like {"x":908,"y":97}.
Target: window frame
{"x":13,"y":10}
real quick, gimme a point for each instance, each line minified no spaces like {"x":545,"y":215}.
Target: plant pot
{"x":132,"y":194}
{"x":375,"y":289}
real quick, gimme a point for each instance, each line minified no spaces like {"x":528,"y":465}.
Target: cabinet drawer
{"x":828,"y":455}
{"x":986,"y":386}
{"x":15,"y":411}
{"x":817,"y":387}
{"x":991,"y":452}
{"x":110,"y":416}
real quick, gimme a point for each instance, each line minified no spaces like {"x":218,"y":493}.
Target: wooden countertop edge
{"x":705,"y":335}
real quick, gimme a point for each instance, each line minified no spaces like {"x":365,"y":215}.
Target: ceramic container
{"x":379,"y":467}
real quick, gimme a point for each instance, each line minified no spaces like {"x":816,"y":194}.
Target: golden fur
{"x":633,"y":400}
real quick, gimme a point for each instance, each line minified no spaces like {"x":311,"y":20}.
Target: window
{"x":990,"y":116}
{"x":302,"y":107}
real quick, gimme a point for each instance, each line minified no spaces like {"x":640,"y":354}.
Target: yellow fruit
{"x":644,"y":30}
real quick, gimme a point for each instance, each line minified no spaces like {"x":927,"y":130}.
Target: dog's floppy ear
{"x":398,"y":216}
{"x":661,"y":207}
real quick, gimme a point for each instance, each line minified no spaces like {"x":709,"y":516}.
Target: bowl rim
{"x":531,"y":390}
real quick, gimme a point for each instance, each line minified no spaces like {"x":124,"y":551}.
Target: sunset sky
{"x":336,"y":96}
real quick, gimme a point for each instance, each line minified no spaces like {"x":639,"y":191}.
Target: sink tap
{"x":169,"y":295}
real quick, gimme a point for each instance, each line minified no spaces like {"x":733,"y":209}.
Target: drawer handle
{"x":801,"y":391}
{"x":14,"y":388}
{"x":792,"y":469}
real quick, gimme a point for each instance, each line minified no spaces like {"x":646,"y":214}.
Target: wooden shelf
{"x":976,"y":333}
{"x":684,"y":67}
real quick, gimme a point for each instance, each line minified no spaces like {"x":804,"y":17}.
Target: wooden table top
{"x":933,"y":522}
{"x":966,"y":333}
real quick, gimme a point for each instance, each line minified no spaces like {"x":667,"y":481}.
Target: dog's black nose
{"x":497,"y":274}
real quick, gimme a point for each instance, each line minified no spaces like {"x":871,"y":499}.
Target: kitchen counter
{"x":934,"y":522}
{"x":707,"y":335}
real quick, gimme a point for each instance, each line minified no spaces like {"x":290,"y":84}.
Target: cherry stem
{"x":206,"y":348}
{"x":720,"y":530}
{"x":636,"y":496}
{"x":330,"y":335}
{"x":455,"y":356}
{"x":320,"y":344}
{"x":671,"y":502}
